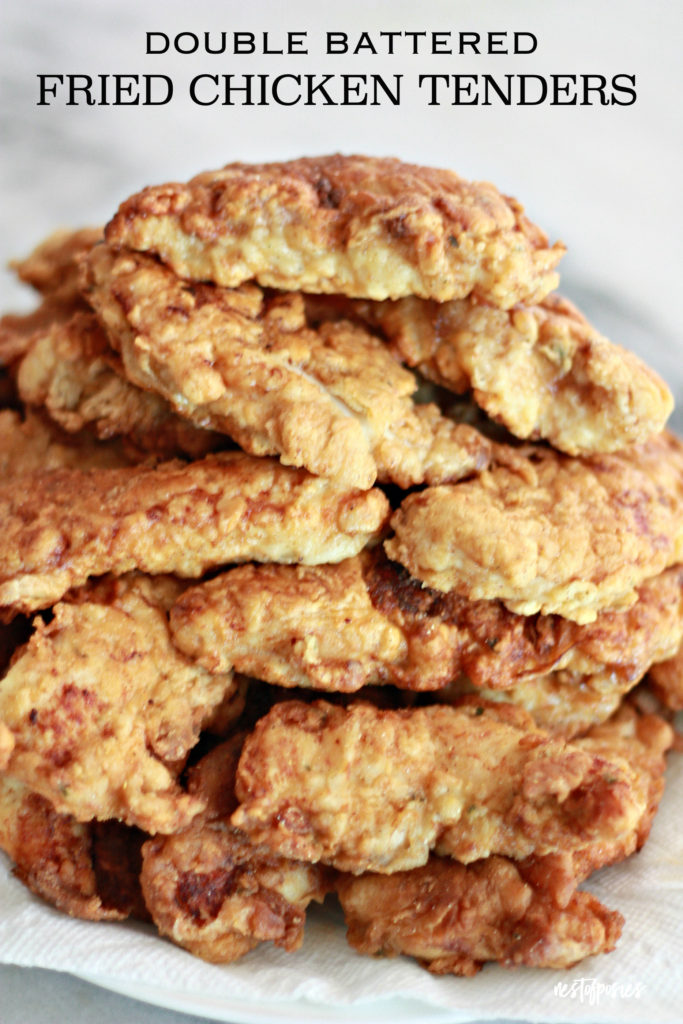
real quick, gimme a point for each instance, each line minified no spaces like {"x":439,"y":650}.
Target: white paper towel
{"x":641,"y":981}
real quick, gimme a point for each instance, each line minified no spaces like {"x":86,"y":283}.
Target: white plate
{"x":236,"y":1011}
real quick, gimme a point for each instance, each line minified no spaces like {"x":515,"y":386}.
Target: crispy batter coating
{"x":102,"y":708}
{"x":666,"y":679}
{"x":541,"y":370}
{"x":640,"y":741}
{"x":213,"y":892}
{"x":52,"y":269}
{"x":610,"y":656}
{"x":453,"y":918}
{"x":33,"y":444}
{"x":88,"y":870}
{"x":370,"y":790}
{"x":362,"y":226}
{"x":238,"y":360}
{"x":366,"y":621}
{"x":61,"y":527}
{"x":541,"y":531}
{"x":71,"y":372}
{"x":52,"y":852}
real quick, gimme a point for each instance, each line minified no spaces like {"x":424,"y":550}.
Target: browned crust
{"x":541,"y":531}
{"x":61,"y":527}
{"x":469,"y":782}
{"x":361,"y":226}
{"x":453,"y":918}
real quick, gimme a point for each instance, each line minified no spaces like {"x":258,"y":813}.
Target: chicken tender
{"x":666,"y":679}
{"x":71,"y":372}
{"x":541,"y":370}
{"x":609,"y":658}
{"x":369,"y":790}
{"x":366,"y":621}
{"x":543,"y":532}
{"x":332,"y":400}
{"x":640,"y":741}
{"x":362,"y":226}
{"x":32,"y":444}
{"x":64,"y":526}
{"x":210,"y":890}
{"x":103,"y":710}
{"x":61,"y":859}
{"x":453,"y":918}
{"x":52,"y":269}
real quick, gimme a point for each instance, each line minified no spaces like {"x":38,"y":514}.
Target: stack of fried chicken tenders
{"x":333,"y":545}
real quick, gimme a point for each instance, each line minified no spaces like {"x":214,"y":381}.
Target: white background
{"x":607,"y":180}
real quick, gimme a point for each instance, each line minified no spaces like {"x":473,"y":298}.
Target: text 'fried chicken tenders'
{"x":541,"y":370}
{"x":102,"y":708}
{"x":332,"y":399}
{"x":61,"y":527}
{"x":544,"y":532}
{"x":213,"y":892}
{"x":361,"y":226}
{"x":453,"y":918}
{"x":369,"y":790}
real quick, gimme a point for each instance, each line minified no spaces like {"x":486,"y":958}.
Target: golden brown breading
{"x":210,"y":890}
{"x":541,"y":531}
{"x":33,"y":444}
{"x":609,"y":657}
{"x":71,"y":372}
{"x":332,"y":400}
{"x":61,"y":527}
{"x":641,"y":741}
{"x":103,"y":709}
{"x":52,"y":852}
{"x":362,"y":226}
{"x":365,"y":621}
{"x":666,"y":679}
{"x":453,"y":918}
{"x":370,"y":790}
{"x":541,"y":370}
{"x":214,"y":893}
{"x":52,"y":269}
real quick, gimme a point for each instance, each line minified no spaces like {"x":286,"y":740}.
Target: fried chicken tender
{"x":609,"y":658}
{"x":52,"y":269}
{"x":370,"y":790}
{"x":453,"y":918}
{"x":541,"y":531}
{"x":61,"y":527}
{"x":366,"y":621}
{"x":362,"y":226}
{"x":59,"y":859}
{"x":103,"y":710}
{"x":71,"y":372}
{"x":541,"y":370}
{"x":640,"y":741}
{"x":332,"y":400}
{"x":666,"y":679}
{"x":213,"y":892}
{"x":32,"y":444}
